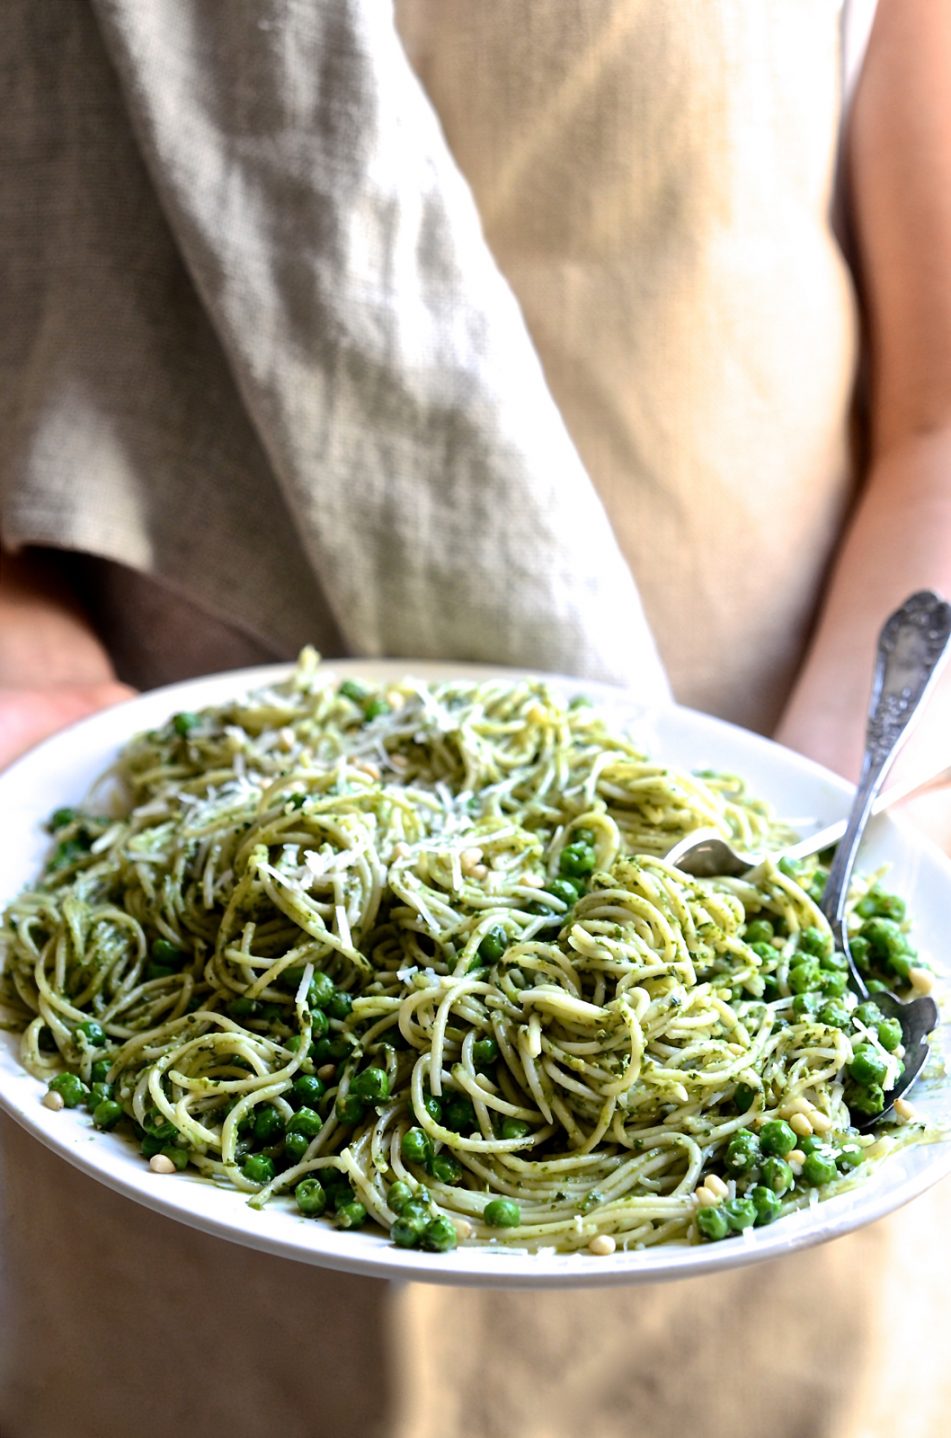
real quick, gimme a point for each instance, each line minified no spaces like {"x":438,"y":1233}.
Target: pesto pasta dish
{"x":409,"y":956}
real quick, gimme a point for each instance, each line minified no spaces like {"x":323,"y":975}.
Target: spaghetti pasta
{"x":413,"y":955}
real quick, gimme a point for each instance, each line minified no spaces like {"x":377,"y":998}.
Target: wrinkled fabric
{"x":259,"y":348}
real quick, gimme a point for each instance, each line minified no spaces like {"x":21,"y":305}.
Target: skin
{"x":53,"y":669}
{"x":899,"y":540}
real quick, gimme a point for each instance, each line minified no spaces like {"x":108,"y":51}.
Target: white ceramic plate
{"x":61,"y":770}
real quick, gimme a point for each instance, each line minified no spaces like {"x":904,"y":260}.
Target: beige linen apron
{"x":654,"y":179}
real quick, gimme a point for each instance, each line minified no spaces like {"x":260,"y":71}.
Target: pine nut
{"x":904,"y":1110}
{"x":464,"y":1229}
{"x":716,"y":1185}
{"x":602,"y":1245}
{"x":922,"y":980}
{"x":52,"y":1099}
{"x":161,"y":1163}
{"x":469,"y":858}
{"x":800,"y":1124}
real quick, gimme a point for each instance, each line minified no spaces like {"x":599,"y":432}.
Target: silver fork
{"x":911,"y":649}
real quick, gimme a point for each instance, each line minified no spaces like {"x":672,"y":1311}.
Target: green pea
{"x":804,"y":975}
{"x":502,"y":1213}
{"x":577,"y":860}
{"x":169,"y":954}
{"x":834,"y":1015}
{"x":399,"y":1195}
{"x":764,"y":951}
{"x":789,"y":867}
{"x":93,"y":1033}
{"x":834,"y":985}
{"x":777,"y":1138}
{"x":372,"y":1084}
{"x":350,"y":689}
{"x":258,"y":1168}
{"x":268,"y":1124}
{"x":580,"y":701}
{"x":493,"y":944}
{"x":243,"y":1008}
{"x":850,"y":1155}
{"x":806,"y":1004}
{"x":868,"y":1099}
{"x":833,"y":962}
{"x":743,"y":1152}
{"x":564,"y":890}
{"x":818,"y":1169}
{"x":99,"y":1070}
{"x":98,"y":1093}
{"x":777,"y":1175}
{"x":515,"y":1128}
{"x":339,"y":1005}
{"x":306,"y":1121}
{"x":740,"y":1213}
{"x":351,"y":1215}
{"x":712,"y":1223}
{"x":311,"y":1197}
{"x":307,"y":1089}
{"x":885,"y":938}
{"x":107,"y":1113}
{"x":319,"y":1025}
{"x":70,"y":1088}
{"x":295,"y":1146}
{"x":759,"y":931}
{"x":416,"y":1146}
{"x":484,"y":1053}
{"x":433,"y":1107}
{"x":813,"y":941}
{"x":417,"y":1211}
{"x":179,"y":1156}
{"x":321,"y":991}
{"x":460,"y":1114}
{"x":350,"y":1109}
{"x":405,"y":1235}
{"x":877,"y":904}
{"x":445,"y":1168}
{"x":767,"y":1203}
{"x":743,"y":1096}
{"x":868,"y":1013}
{"x":439,"y":1235}
{"x":867,"y":1066}
{"x":184,"y":723}
{"x":860,"y":949}
{"x":889,"y":1034}
{"x":374,"y":708}
{"x":327,"y":1051}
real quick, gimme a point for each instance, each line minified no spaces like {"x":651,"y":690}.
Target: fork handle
{"x":911,"y":649}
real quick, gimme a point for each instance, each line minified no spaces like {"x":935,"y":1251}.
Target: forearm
{"x":53,"y":669}
{"x":45,"y":638}
{"x":899,"y":541}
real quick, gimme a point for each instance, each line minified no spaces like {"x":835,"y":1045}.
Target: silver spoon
{"x":911,"y":649}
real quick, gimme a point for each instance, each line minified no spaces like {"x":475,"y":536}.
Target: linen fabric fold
{"x":263,"y":354}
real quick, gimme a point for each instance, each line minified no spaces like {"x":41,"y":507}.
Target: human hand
{"x":28,"y":715}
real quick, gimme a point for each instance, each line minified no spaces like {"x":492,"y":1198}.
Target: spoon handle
{"x":911,"y":649}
